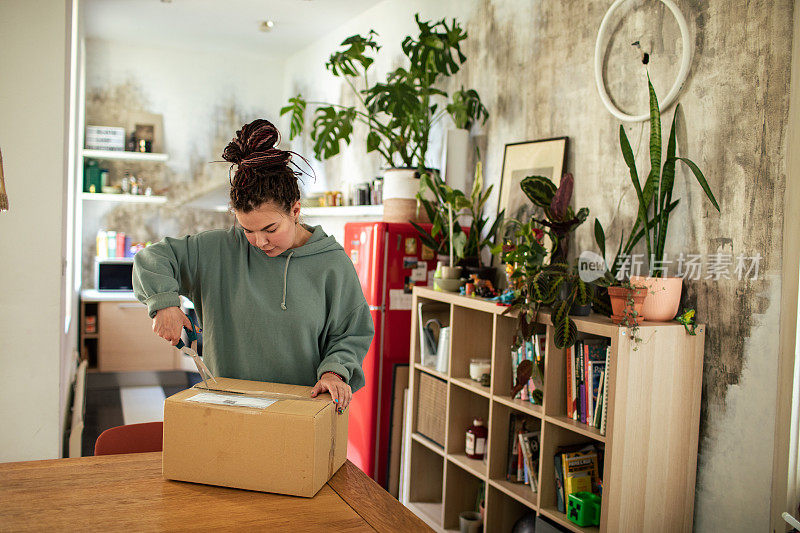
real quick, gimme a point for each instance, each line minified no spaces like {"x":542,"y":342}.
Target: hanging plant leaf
{"x":297,"y":107}
{"x":330,"y":127}
{"x":343,"y":63}
{"x":564,"y":329}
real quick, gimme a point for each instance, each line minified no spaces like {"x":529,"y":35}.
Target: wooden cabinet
{"x":122,"y":337}
{"x":650,"y":446}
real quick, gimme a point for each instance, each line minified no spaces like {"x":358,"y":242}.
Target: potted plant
{"x":444,"y":207}
{"x":524,"y":255}
{"x":398,"y":112}
{"x":465,"y":109}
{"x":559,"y":216}
{"x":655,"y":205}
{"x":561,"y":288}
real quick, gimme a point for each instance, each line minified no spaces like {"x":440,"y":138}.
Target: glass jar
{"x":478,"y":367}
{"x":476,"y":439}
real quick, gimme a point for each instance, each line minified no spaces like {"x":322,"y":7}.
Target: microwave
{"x":113,"y":274}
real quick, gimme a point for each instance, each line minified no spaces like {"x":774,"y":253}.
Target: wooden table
{"x":127,"y":492}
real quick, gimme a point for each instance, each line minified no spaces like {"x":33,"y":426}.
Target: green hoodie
{"x":285,"y":319}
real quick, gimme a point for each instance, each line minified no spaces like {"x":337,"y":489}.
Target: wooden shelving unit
{"x":652,"y":428}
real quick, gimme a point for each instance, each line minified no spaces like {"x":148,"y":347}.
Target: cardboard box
{"x":251,"y":435}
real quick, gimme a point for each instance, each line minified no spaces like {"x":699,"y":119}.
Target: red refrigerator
{"x":389,"y":259}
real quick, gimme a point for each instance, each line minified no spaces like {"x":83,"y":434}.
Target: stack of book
{"x":577,"y":469}
{"x":532,"y":350}
{"x":115,"y":244}
{"x":523,"y":451}
{"x":587,"y":382}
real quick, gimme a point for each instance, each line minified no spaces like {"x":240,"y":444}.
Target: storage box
{"x":432,"y":408}
{"x":252,"y":435}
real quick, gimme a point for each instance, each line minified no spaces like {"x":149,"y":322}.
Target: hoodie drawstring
{"x":285,"y":273}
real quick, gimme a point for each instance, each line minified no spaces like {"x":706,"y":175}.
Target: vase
{"x":456,"y":159}
{"x":619,"y":301}
{"x":663,"y":297}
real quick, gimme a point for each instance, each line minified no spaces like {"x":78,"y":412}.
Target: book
{"x":559,"y":475}
{"x":570,"y":365}
{"x":558,"y":471}
{"x":594,"y":354}
{"x":112,"y":244}
{"x":101,"y":244}
{"x":536,"y":383}
{"x":511,"y":469}
{"x":580,"y":471}
{"x":514,"y":364}
{"x":595,"y":372}
{"x":529,"y":443}
{"x":604,"y":413}
{"x":120,"y":245}
{"x":598,"y":407}
{"x":516,"y":468}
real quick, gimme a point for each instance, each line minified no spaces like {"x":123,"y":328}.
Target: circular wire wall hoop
{"x":602,"y":41}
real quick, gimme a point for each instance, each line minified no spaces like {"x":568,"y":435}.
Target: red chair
{"x":132,"y":438}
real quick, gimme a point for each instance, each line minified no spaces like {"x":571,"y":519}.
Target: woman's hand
{"x":340,"y":391}
{"x":169,"y":322}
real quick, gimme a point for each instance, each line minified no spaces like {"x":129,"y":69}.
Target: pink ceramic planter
{"x":663,"y":297}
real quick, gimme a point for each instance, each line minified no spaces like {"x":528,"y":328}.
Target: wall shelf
{"x":652,"y":422}
{"x":122,"y":155}
{"x":343,"y":211}
{"x":123,"y":198}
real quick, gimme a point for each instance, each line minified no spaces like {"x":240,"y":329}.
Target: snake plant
{"x":655,"y":198}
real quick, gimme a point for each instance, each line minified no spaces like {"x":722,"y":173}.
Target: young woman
{"x":278,"y":300}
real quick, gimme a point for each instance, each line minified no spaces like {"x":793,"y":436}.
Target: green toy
{"x":584,"y":509}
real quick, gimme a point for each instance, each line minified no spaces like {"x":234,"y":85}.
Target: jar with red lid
{"x":476,"y":439}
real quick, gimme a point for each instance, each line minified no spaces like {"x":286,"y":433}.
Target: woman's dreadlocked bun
{"x":263,"y":173}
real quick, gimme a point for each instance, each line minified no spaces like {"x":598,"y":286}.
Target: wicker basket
{"x":431,"y":408}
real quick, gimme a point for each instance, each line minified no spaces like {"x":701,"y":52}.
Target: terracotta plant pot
{"x":664,"y":297}
{"x":619,"y":299}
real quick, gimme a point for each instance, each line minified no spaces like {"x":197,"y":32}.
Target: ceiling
{"x":219,"y":25}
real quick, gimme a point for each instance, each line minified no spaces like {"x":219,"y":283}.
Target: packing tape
{"x":285,"y":396}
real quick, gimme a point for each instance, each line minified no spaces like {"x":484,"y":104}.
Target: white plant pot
{"x":400,"y":183}
{"x":456,"y":159}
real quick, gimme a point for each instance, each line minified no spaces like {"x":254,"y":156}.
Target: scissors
{"x":191,"y":335}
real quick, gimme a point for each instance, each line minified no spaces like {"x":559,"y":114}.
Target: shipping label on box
{"x":251,"y":435}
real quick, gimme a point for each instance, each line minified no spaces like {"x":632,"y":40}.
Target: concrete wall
{"x":532,"y":63}
{"x":204,"y":98}
{"x":34,"y":51}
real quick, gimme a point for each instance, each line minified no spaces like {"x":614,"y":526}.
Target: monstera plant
{"x":559,"y":216}
{"x":400,"y":111}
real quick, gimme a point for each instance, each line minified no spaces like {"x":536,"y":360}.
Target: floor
{"x":114,"y":399}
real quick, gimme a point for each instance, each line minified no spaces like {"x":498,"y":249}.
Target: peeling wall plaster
{"x":532,"y":63}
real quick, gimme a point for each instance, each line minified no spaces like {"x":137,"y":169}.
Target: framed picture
{"x":546,"y":157}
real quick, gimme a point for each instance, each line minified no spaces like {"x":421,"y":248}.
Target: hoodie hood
{"x":319,"y":243}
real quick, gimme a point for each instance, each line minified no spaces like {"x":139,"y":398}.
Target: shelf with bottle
{"x":97,"y":186}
